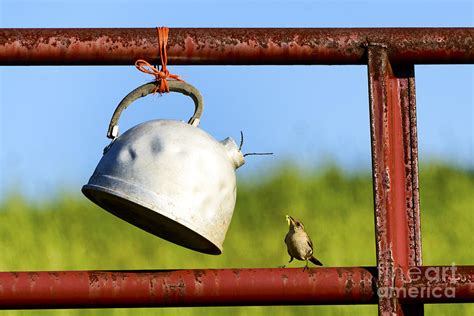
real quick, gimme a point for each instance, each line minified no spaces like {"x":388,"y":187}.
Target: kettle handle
{"x":143,"y":90}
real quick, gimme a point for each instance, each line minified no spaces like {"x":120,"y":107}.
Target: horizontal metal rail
{"x":234,"y":46}
{"x":227,"y":287}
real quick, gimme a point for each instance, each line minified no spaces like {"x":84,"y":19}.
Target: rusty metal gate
{"x":399,"y":284}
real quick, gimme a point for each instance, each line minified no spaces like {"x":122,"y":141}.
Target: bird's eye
{"x":298,"y":224}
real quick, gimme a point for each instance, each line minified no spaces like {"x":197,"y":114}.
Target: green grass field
{"x":70,"y":233}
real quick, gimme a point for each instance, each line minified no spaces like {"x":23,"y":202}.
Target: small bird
{"x":298,"y":243}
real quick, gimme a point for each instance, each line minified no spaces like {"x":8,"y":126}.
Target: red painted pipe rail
{"x":234,"y":46}
{"x":449,"y":284}
{"x":86,"y":289}
{"x":228,"y":287}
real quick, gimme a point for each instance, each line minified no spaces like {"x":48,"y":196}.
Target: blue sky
{"x":53,"y":120}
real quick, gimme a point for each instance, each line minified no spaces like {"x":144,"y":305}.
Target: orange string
{"x":162,"y":74}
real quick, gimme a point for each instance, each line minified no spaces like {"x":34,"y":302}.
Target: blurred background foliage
{"x":71,"y":233}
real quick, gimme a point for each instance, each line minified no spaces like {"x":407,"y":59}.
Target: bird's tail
{"x":315,"y":261}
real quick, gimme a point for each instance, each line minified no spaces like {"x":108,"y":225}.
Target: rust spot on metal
{"x":55,"y":275}
{"x":198,"y":275}
{"x":33,"y":276}
{"x":386,"y":179}
{"x":152,"y":290}
{"x":94,"y":279}
{"x":173,"y":291}
{"x":236,"y":272}
{"x":284,"y":278}
{"x":349,"y":284}
{"x":366,"y":285}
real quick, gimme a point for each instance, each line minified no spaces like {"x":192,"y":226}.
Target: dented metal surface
{"x":228,"y":287}
{"x":234,"y":46}
{"x":395,"y":174}
{"x":169,"y":178}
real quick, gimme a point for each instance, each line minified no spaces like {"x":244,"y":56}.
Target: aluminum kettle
{"x":169,"y":178}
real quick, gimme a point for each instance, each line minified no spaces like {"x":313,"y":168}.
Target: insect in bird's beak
{"x":289,"y":219}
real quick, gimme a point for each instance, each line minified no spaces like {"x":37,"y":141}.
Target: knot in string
{"x":162,"y":74}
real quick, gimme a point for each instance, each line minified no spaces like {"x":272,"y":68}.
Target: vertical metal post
{"x":395,"y":176}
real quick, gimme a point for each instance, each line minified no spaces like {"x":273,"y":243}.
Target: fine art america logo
{"x":434,"y":282}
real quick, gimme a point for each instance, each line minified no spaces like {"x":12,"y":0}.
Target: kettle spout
{"x":233,"y":151}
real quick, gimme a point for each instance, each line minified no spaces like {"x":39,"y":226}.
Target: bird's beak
{"x":289,"y":219}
